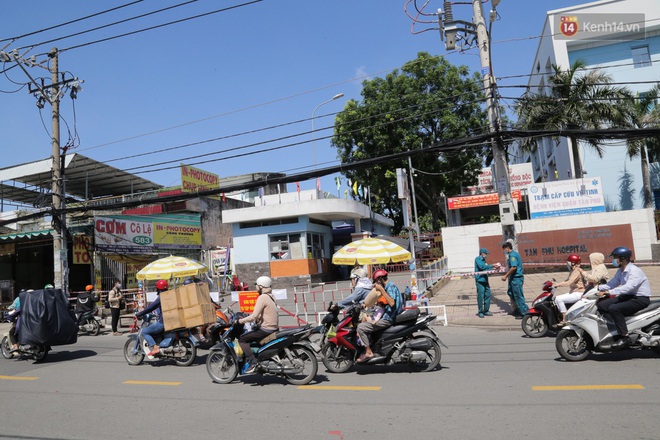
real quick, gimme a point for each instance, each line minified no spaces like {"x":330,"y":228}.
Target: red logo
{"x":569,"y":26}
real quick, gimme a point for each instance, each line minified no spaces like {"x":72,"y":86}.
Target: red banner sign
{"x":479,"y":200}
{"x":247,"y":300}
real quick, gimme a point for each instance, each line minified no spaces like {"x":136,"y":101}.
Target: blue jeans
{"x":153,"y":329}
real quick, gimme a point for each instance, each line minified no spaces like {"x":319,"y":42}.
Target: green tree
{"x":576,"y":99}
{"x":643,"y":113}
{"x":428,"y":102}
{"x":626,"y":190}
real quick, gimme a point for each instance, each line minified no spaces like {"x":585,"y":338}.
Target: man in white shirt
{"x":629,"y":292}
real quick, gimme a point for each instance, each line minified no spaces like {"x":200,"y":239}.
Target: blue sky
{"x":253,"y":67}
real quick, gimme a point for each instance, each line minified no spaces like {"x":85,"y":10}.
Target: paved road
{"x":486,"y":389}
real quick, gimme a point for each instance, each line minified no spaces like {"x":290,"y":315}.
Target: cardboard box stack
{"x":187,"y":306}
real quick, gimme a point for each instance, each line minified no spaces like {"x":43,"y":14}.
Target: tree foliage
{"x":575,"y":99}
{"x":427,"y":102}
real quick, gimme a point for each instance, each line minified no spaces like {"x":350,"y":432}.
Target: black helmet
{"x":621,"y":252}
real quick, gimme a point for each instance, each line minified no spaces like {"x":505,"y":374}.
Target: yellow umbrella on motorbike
{"x":370,"y":251}
{"x":171,"y":267}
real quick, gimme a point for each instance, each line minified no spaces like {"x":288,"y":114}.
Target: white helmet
{"x":358,"y":273}
{"x":264,"y":281}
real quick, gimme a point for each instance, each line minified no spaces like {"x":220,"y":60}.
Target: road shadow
{"x":61,"y":356}
{"x":617,"y":356}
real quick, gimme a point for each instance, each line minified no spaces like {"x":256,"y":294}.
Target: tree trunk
{"x":646,"y":179}
{"x":577,"y":162}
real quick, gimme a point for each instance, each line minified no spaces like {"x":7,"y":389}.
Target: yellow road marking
{"x":19,"y":377}
{"x":151,"y":382}
{"x":338,"y":387}
{"x":588,"y":387}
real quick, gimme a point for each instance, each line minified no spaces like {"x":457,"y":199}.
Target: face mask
{"x":615,"y":262}
{"x":118,"y":285}
{"x":569,"y":265}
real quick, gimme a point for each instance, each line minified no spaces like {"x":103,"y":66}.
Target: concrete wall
{"x":461,"y":243}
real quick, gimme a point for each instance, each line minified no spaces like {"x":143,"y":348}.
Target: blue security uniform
{"x":516,"y":280}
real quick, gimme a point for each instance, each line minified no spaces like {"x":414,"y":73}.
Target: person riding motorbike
{"x":13,"y":316}
{"x":158,"y":326}
{"x":390,"y":296}
{"x":598,"y":270}
{"x":575,"y":283}
{"x":265,"y":314}
{"x":629,"y":293}
{"x":86,"y":302}
{"x":361,"y":284}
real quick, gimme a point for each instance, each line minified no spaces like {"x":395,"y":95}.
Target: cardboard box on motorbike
{"x":187,"y":306}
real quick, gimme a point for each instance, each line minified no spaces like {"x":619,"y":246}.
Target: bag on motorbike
{"x":47,"y":318}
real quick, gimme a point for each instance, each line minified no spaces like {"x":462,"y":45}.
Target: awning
{"x":30,"y":234}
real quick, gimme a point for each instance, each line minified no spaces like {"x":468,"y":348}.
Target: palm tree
{"x":644,"y":114}
{"x":577,"y":99}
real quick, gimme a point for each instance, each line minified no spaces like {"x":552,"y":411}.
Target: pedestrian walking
{"x":483,"y":286}
{"x":516,"y":278}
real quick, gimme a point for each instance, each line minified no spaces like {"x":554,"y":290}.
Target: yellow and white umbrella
{"x":170,"y":267}
{"x":370,"y":251}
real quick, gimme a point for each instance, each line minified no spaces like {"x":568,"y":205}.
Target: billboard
{"x":520,"y":176}
{"x":566,"y":197}
{"x":144,"y":234}
{"x":478,"y":200}
{"x":194,"y":179}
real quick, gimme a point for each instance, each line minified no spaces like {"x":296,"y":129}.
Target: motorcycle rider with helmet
{"x":575,"y":283}
{"x":85,"y":302}
{"x":629,"y":292}
{"x":158,"y":326}
{"x":361,"y":284}
{"x":393,"y":304}
{"x":265,"y":315}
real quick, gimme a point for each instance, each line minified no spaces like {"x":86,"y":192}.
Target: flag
{"x":345,"y":193}
{"x":338,"y":182}
{"x":355,"y":188}
{"x":224,"y":199}
{"x":360,"y":190}
{"x":261,"y":191}
{"x":318,"y":183}
{"x":297,"y":186}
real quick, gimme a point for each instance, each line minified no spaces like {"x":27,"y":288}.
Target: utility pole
{"x":450,"y":28}
{"x":60,"y":250}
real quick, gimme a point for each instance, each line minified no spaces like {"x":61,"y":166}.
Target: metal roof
{"x":86,"y":178}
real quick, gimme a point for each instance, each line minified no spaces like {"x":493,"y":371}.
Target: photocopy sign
{"x":193,"y":179}
{"x":603,"y":26}
{"x":566,"y":197}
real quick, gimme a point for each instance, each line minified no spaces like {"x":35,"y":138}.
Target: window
{"x":641,"y":56}
{"x":285,"y":247}
{"x":315,"y":246}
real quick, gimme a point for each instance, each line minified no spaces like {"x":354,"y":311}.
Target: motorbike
{"x":285,"y":353}
{"x":178,"y":345}
{"x":214,"y":331}
{"x":543,"y":315}
{"x":588,"y":331}
{"x":89,"y":323}
{"x":36,"y":351}
{"x":409,"y":340}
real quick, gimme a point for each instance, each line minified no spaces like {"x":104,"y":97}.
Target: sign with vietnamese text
{"x":520,"y":176}
{"x":194,"y":179}
{"x":566,"y":197}
{"x":478,"y":200}
{"x":81,"y":246}
{"x":247,"y":300}
{"x":177,"y":234}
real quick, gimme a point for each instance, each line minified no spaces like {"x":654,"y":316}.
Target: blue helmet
{"x":621,"y":252}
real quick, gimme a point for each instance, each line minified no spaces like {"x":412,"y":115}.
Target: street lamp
{"x":337,"y":96}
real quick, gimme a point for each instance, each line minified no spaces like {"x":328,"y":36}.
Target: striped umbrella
{"x":170,"y":267}
{"x":370,"y":251}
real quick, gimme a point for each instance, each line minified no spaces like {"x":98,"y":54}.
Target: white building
{"x":628,"y":50}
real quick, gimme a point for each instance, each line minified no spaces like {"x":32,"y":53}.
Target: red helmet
{"x":574,"y":259}
{"x":161,"y":285}
{"x":89,"y":287}
{"x":380,"y":273}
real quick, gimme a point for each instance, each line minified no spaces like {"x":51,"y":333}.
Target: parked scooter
{"x":588,"y":331}
{"x":409,"y":340}
{"x":178,"y":345}
{"x":286,"y":353}
{"x":36,"y":351}
{"x":543,"y":315}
